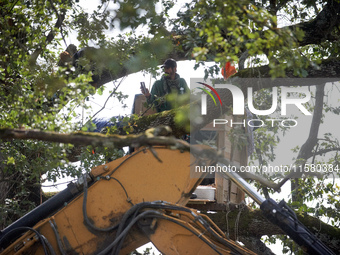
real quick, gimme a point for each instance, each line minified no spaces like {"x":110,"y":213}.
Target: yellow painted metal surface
{"x":143,"y":177}
{"x":130,"y":180}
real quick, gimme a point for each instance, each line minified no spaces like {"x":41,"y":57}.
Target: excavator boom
{"x":121,"y":206}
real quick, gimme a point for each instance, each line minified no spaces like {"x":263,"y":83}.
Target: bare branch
{"x":306,"y":150}
{"x":107,"y":99}
{"x":148,"y":138}
{"x":312,"y":139}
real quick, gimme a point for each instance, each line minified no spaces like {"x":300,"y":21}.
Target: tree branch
{"x":253,"y":225}
{"x":307,"y":147}
{"x":148,"y":138}
{"x":312,"y":139}
{"x":321,"y":152}
{"x":49,"y":38}
{"x":256,"y":245}
{"x":320,"y":29}
{"x":327,"y":69}
{"x":317,"y":30}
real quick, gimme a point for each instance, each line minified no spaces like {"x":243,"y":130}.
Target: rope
{"x":226,"y":217}
{"x":237,"y":221}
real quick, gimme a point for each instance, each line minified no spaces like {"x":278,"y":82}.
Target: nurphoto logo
{"x":239,"y":99}
{"x":241,"y":104}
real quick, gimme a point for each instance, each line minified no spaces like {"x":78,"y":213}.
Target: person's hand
{"x":145,"y":91}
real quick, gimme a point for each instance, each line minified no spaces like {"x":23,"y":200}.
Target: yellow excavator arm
{"x":122,"y":205}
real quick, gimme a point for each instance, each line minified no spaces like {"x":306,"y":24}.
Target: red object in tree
{"x":228,"y":70}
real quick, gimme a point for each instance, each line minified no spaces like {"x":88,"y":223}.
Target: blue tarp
{"x":104,"y":122}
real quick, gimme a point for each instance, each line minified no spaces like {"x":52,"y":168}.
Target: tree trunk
{"x":252,"y":225}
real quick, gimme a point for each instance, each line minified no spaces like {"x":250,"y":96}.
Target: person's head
{"x":71,"y":49}
{"x":170,"y":68}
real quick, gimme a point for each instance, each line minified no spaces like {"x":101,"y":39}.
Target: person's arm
{"x":151,"y":97}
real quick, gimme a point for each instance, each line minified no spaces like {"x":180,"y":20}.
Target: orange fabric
{"x":228,"y":70}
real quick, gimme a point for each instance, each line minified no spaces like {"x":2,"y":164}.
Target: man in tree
{"x":169,"y":83}
{"x":84,"y":60}
{"x":66,"y":57}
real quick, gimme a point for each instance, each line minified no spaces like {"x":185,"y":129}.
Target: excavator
{"x":142,"y":197}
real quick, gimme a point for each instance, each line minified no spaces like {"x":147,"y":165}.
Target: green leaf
{"x":10,"y":160}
